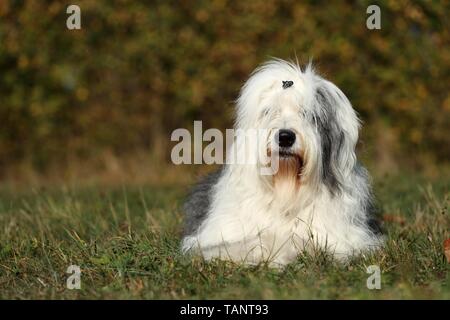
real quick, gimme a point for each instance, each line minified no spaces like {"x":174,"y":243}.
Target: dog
{"x":319,"y":196}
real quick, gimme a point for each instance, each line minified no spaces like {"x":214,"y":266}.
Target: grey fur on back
{"x":198,"y":202}
{"x":372,"y":210}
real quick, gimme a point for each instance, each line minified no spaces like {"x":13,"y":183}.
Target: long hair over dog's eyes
{"x":303,"y":113}
{"x":265,"y":112}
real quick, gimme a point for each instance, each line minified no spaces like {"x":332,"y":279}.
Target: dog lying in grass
{"x":317,"y":194}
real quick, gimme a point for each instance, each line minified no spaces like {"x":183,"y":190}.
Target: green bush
{"x":137,"y":71}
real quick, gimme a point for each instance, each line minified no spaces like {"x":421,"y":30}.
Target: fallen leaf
{"x":394,"y":218}
{"x":447,"y":249}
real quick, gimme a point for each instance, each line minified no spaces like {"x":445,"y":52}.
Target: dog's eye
{"x":265,"y":112}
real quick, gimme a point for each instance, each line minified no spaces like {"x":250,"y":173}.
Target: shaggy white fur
{"x":319,"y":197}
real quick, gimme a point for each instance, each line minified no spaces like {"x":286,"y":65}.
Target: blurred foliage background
{"x":137,"y":70}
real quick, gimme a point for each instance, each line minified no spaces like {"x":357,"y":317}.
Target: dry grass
{"x":126,"y":241}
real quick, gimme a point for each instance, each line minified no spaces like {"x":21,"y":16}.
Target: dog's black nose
{"x":285,"y":138}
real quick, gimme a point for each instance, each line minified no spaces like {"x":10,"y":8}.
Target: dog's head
{"x":310,"y":128}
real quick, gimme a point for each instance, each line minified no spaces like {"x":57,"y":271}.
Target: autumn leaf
{"x":447,"y":249}
{"x":395,"y":218}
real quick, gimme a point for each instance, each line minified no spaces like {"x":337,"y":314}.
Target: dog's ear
{"x":337,"y":126}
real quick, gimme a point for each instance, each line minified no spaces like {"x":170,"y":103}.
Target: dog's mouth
{"x":284,"y":154}
{"x":290,"y":162}
{"x":287,"y":154}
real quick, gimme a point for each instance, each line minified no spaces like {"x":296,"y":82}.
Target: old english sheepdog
{"x":319,"y":196}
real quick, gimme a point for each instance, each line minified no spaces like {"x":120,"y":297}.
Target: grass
{"x":126,"y":242}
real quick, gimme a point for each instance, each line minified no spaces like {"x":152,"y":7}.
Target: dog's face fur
{"x":315,"y":111}
{"x":316,"y":194}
